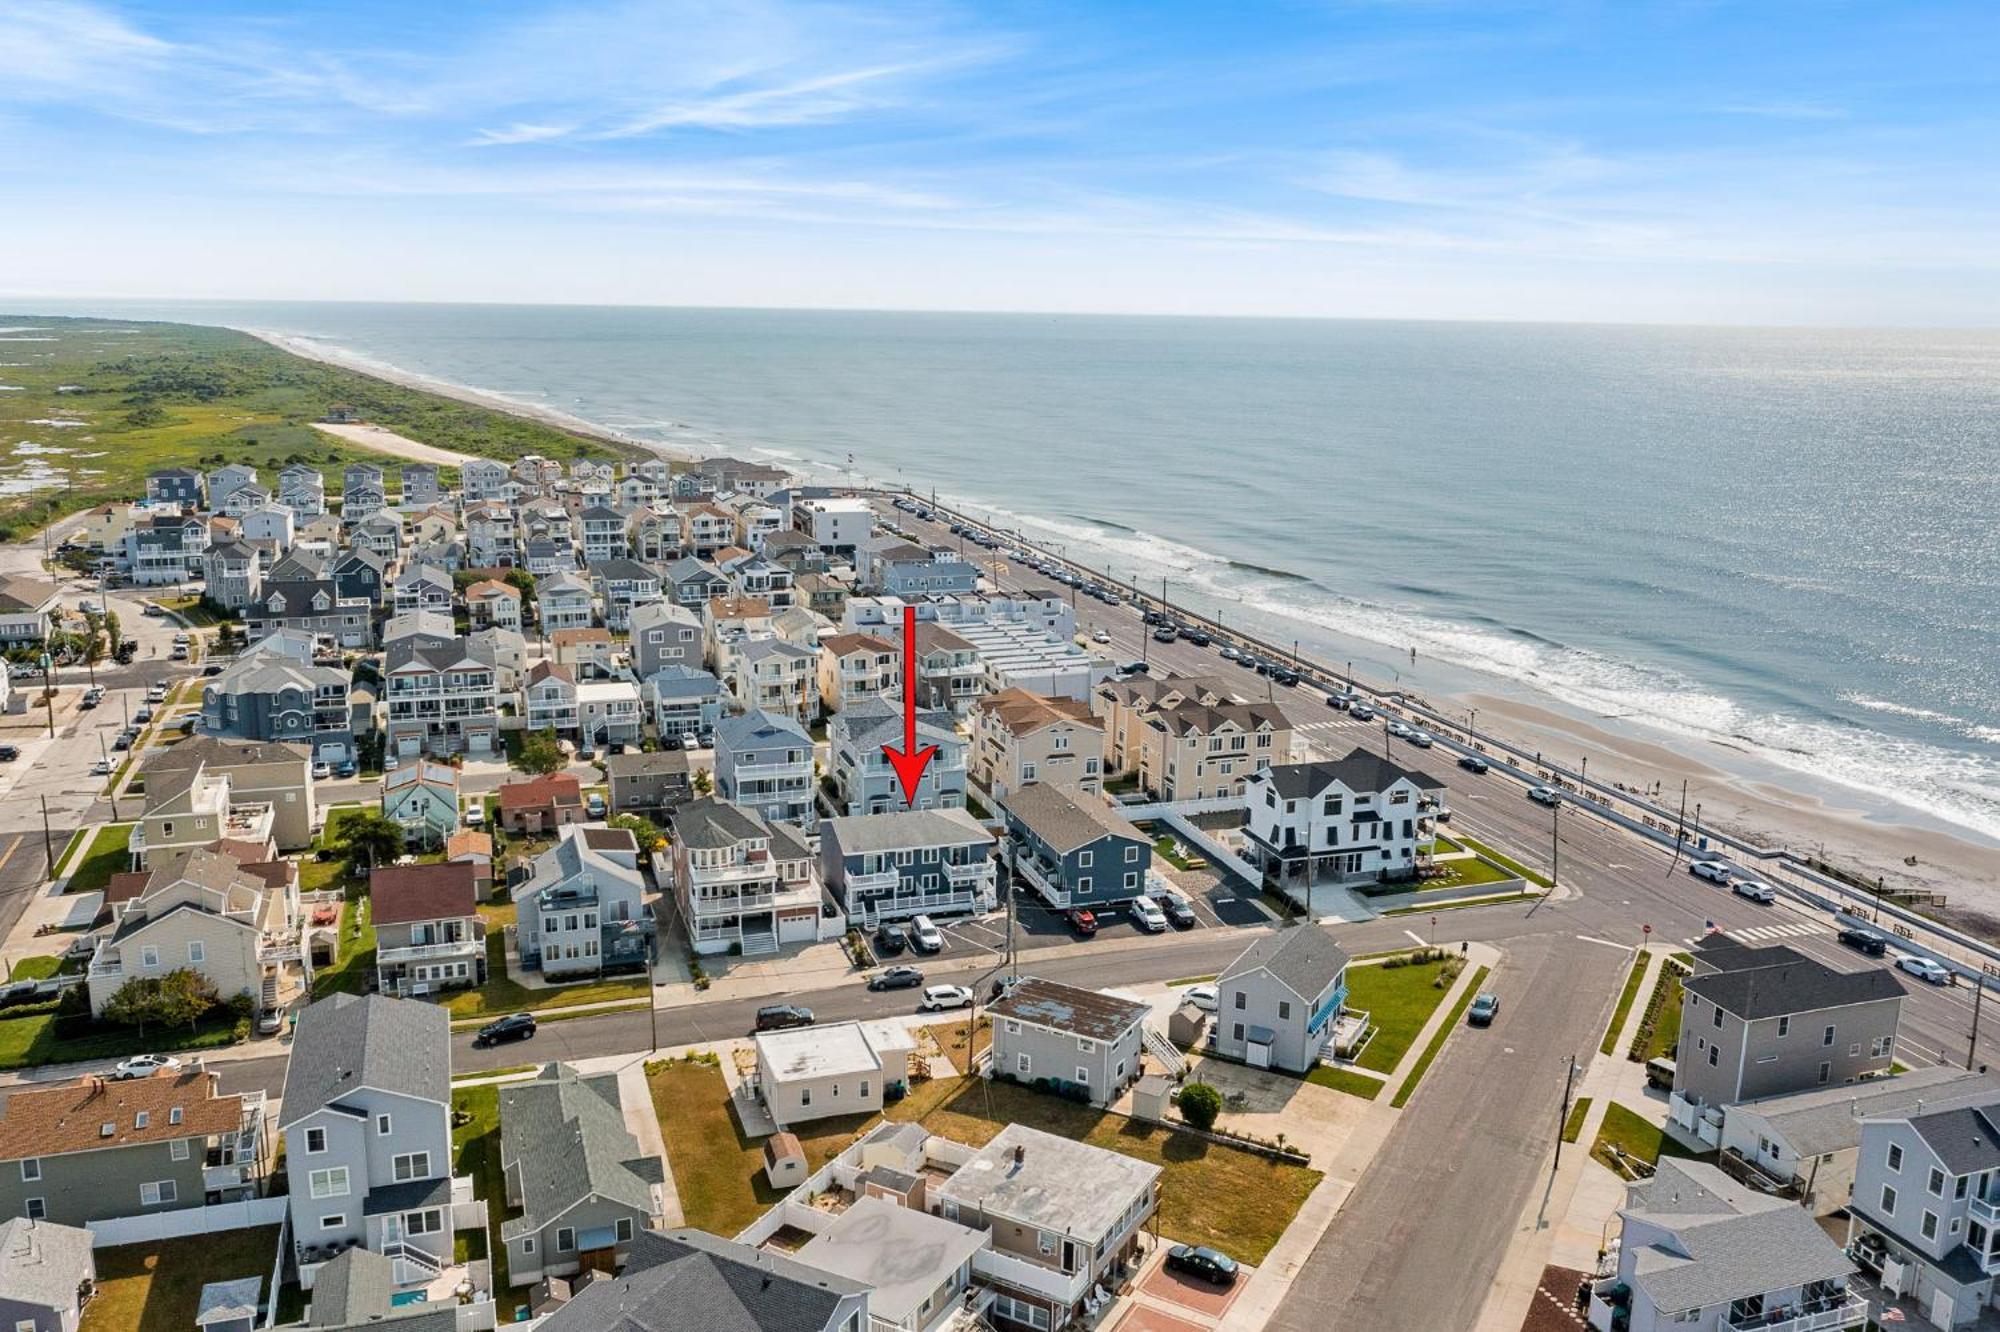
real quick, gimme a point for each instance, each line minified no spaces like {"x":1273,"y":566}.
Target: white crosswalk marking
{"x":1766,"y":933}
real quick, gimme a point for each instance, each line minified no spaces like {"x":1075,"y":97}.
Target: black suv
{"x":513,"y":1027}
{"x":1864,"y":941}
{"x":777,"y":1017}
{"x":1178,"y":912}
{"x":892,"y":939}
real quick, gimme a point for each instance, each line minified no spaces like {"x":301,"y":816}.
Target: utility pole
{"x":1569,"y":1080}
{"x":1555,"y":843}
{"x":1978,"y":995}
{"x":48,"y":843}
{"x":1680,"y":827}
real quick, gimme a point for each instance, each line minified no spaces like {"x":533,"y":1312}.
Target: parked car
{"x":143,"y":715}
{"x":1210,"y":1265}
{"x":896,"y":978}
{"x":778,"y":1017}
{"x":1100,"y":637}
{"x":121,"y":743}
{"x":347,"y":768}
{"x":1340,"y":702}
{"x":475,"y":814}
{"x":1166,"y":633}
{"x":322,"y":770}
{"x":1082,"y":919}
{"x":1196,"y":637}
{"x":925,"y":935}
{"x":144,"y":1066}
{"x":1660,"y":1074}
{"x":1545,"y":795}
{"x":513,"y":1027}
{"x":1180,"y":911}
{"x":1204,"y":997}
{"x":594,"y":806}
{"x":1473,"y":763}
{"x":891,"y":939}
{"x":939,"y":998}
{"x":1754,"y":889}
{"x":101,"y":768}
{"x":1229,"y":653}
{"x":1924,"y":969}
{"x":18,"y":992}
{"x":1398,"y":729}
{"x":8,"y":753}
{"x":1863,"y":941}
{"x":1146,"y":914}
{"x":1361,"y":712}
{"x":1421,"y":739}
{"x":1484,"y":1009}
{"x":1715,"y":871}
{"x":157,"y":694}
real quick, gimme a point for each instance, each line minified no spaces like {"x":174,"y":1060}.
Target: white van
{"x":925,"y":935}
{"x":1147,"y":914}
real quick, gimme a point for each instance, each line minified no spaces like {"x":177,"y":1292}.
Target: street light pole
{"x":1555,"y":843}
{"x":1978,"y":995}
{"x":1569,"y":1080}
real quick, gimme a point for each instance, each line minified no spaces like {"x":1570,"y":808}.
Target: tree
{"x":370,"y":838}
{"x":643,"y":829}
{"x":135,"y":1003}
{"x":540,"y":752}
{"x":1200,"y":1104}
{"x":185,"y":997}
{"x":703,"y":783}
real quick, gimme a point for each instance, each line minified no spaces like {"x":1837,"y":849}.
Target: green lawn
{"x":1634,"y":1136}
{"x":1625,"y":998}
{"x":35,"y":968}
{"x":28,"y":1041}
{"x":157,"y":1287}
{"x":110,"y":853}
{"x":1535,"y":877}
{"x":1163,"y":847}
{"x":1573,"y":1126}
{"x":1398,"y":1000}
{"x":354,"y":966}
{"x":1346,"y":1080}
{"x":476,"y":1152}
{"x":1468,"y":873}
{"x":1443,"y":1033}
{"x":503,"y":994}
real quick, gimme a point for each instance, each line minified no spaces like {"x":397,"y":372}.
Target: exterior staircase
{"x":759,"y":941}
{"x":1162,"y":1049}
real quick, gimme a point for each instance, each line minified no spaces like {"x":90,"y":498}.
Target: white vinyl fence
{"x":208,"y":1220}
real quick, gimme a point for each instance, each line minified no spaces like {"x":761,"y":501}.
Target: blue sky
{"x":1759,"y":162}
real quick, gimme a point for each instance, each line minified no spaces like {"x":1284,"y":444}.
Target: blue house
{"x":176,"y":485}
{"x":1074,"y":849}
{"x":765,"y":762}
{"x":685,"y":701}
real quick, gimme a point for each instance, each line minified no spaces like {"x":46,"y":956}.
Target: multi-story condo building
{"x":694,"y":583}
{"x":765,"y":762}
{"x":1700,"y":1250}
{"x":302,"y":489}
{"x":225,"y":481}
{"x":663,"y":635}
{"x":1125,"y":704}
{"x":490,"y":602}
{"x":166,"y":548}
{"x":896,"y":568}
{"x":176,"y":485}
{"x":653,"y":534}
{"x":1019,"y":737}
{"x":563,"y":601}
{"x":366,"y":1116}
{"x":865,"y":782}
{"x":1362,"y":817}
{"x":315,"y":607}
{"x":94,"y":1149}
{"x":205,"y":912}
{"x":1074,"y":849}
{"x":420,"y":485}
{"x":882,"y":867}
{"x":1761,"y":1021}
{"x":745,"y":882}
{"x":423,"y":587}
{"x":549,"y":698}
{"x":853,"y":667}
{"x":429,"y":935}
{"x":482,"y":479}
{"x":491,"y":537}
{"x":601,"y":533}
{"x":271,"y":697}
{"x":580,"y":910}
{"x":772,"y":675}
{"x":624,"y":585}
{"x":840,"y":524}
{"x":685,"y":702}
{"x":232,"y":571}
{"x":442,"y":697}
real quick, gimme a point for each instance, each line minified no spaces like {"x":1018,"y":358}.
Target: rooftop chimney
{"x":1020,"y":1152}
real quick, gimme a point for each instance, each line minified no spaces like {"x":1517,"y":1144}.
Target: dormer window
{"x":141,"y":1119}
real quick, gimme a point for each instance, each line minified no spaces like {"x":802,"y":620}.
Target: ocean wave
{"x":1963,"y":725}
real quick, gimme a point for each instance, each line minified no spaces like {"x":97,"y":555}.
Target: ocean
{"x":1782,"y":541}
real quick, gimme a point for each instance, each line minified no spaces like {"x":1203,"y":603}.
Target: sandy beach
{"x":393,"y":444}
{"x":311,"y":350}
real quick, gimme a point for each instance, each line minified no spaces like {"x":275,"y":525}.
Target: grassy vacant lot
{"x":1438,"y":1038}
{"x":110,"y":853}
{"x":156,"y":1287}
{"x":475,"y":1146}
{"x":1398,"y":1000}
{"x":1468,"y":873}
{"x":1633,"y":1136}
{"x":153,"y":395}
{"x":1234,"y":1200}
{"x":1625,"y":998}
{"x":1535,"y":877}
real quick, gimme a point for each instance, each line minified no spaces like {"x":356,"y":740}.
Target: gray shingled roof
{"x":1774,"y":982}
{"x":347,"y":1041}
{"x":712,"y":824}
{"x":904,"y":829}
{"x":689,"y":1279}
{"x":354,"y":1286}
{"x":41,"y":1263}
{"x":1738,"y":1242}
{"x":1303,"y":959}
{"x":1101,"y":1017}
{"x":1828,"y":1119}
{"x":227,"y":1301}
{"x":563,"y":1138}
{"x":1359,"y":771}
{"x":1966,"y":1139}
{"x":1067,"y":821}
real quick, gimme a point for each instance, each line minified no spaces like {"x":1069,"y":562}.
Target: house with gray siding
{"x":1276,"y":1003}
{"x":863,"y":778}
{"x":271,"y":697}
{"x":367,"y":1124}
{"x":1067,"y":1039}
{"x":1756,"y":1022}
{"x":429,"y":935}
{"x":93,"y":1149}
{"x":892,"y":866}
{"x":1073,"y":848}
{"x":580,"y":911}
{"x":664,"y":634}
{"x":47,"y":1271}
{"x":691,"y":1279}
{"x":765,"y":762}
{"x":686,"y":702}
{"x":648,"y":783}
{"x":578,"y":1180}
{"x":1698,"y":1250}
{"x":422,"y":795}
{"x":1925,"y":1214}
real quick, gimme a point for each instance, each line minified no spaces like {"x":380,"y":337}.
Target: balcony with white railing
{"x":448,"y":950}
{"x":1985,"y":1209}
{"x":1021,"y":1274}
{"x":1835,"y":1314}
{"x":730,"y":904}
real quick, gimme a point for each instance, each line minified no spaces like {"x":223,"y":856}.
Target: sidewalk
{"x":1565,"y":1224}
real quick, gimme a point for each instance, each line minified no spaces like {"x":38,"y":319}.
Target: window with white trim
{"x":178,"y":1149}
{"x":315,"y":1140}
{"x":412,"y":1165}
{"x":154,"y":1192}
{"x":333,"y":1221}
{"x":31,"y":1169}
{"x":565,"y":1240}
{"x":328,"y":1183}
{"x":35,"y":1209}
{"x":624,"y":1229}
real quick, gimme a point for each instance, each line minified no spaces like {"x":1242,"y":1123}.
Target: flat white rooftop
{"x":837,"y":1049}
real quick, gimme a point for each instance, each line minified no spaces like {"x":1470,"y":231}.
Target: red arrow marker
{"x":910,"y":762}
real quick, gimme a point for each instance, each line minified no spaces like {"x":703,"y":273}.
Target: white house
{"x":1361,"y":817}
